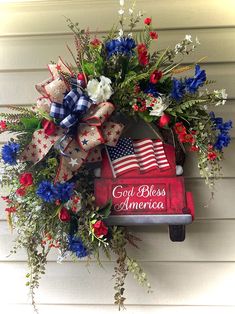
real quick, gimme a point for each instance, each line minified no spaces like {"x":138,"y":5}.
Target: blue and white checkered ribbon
{"x":75,"y":104}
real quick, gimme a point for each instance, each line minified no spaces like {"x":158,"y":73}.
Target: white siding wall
{"x":196,"y":275}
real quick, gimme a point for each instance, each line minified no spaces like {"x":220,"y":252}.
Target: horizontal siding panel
{"x":172,"y":283}
{"x":218,"y":208}
{"x":203,"y":238}
{"x":107,"y":309}
{"x":39,"y":18}
{"x":18,"y":88}
{"x":35,"y":52}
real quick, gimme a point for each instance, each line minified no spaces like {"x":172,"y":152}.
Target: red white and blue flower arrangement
{"x":49,"y":164}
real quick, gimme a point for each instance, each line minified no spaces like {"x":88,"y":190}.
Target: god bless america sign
{"x":139,"y":198}
{"x":151,"y":196}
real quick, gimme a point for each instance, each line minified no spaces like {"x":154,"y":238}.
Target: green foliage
{"x":31,"y":124}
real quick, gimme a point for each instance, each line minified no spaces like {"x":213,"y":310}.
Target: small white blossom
{"x":188,"y":38}
{"x":158,"y":106}
{"x":120,"y":33}
{"x":197,"y":41}
{"x":99,"y":91}
{"x":178,"y":47}
{"x":131,"y":11}
{"x":221,"y":95}
{"x":121,"y":11}
{"x":2,"y":171}
{"x":122,"y":2}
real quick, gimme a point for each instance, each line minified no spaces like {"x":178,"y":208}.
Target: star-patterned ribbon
{"x":86,"y":147}
{"x":68,"y":104}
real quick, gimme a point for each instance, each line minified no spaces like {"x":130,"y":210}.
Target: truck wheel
{"x":177,"y":233}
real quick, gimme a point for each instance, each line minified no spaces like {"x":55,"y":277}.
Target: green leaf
{"x":146,"y":117}
{"x":106,"y":209}
{"x":31,"y":124}
{"x":89,"y":68}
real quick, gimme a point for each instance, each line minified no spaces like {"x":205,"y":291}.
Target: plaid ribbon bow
{"x":75,"y":104}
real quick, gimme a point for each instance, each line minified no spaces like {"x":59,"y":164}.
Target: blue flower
{"x":9,"y":153}
{"x":124,"y":46}
{"x":47,"y":191}
{"x":151,"y":89}
{"x":178,"y":90}
{"x":64,"y":191}
{"x":192,"y":84}
{"x":76,"y":246}
{"x":223,"y":138}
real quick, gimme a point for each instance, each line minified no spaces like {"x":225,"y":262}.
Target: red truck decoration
{"x":139,"y":177}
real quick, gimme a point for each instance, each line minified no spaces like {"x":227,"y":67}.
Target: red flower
{"x":6,"y":199}
{"x":96,"y":42}
{"x":155,"y":76}
{"x":153,"y":35}
{"x":3,"y":125}
{"x":81,"y":77}
{"x":11,"y":209}
{"x":211,"y":155}
{"x":26,"y":179}
{"x":49,"y":127}
{"x":210,"y":147}
{"x":148,"y":21}
{"x":180,"y":128}
{"x":143,"y":108}
{"x":137,"y":89}
{"x":186,"y":138}
{"x":194,"y":148}
{"x":164,"y":120}
{"x":142,"y":54}
{"x":135,"y":107}
{"x":21,"y":191}
{"x":100,"y":228}
{"x":64,"y":215}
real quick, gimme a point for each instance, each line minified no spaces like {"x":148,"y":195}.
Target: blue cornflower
{"x":76,"y":246}
{"x":192,"y":84}
{"x":9,"y":153}
{"x":223,"y":140}
{"x":47,"y":191}
{"x":151,"y":89}
{"x":178,"y":89}
{"x":123,"y":45}
{"x":64,"y":191}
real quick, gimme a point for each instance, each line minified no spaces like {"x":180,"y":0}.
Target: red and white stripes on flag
{"x":145,"y":155}
{"x":161,"y":158}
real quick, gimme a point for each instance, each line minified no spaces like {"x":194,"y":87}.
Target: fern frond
{"x":188,"y":104}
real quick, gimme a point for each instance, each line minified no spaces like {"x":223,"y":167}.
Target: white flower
{"x":2,"y":171}
{"x":99,"y":91}
{"x":178,"y":47}
{"x":158,"y":106}
{"x":197,"y":41}
{"x":221,"y":95}
{"x":188,"y":38}
{"x":131,"y":11}
{"x":120,"y":33}
{"x":121,"y":11}
{"x":122,"y":3}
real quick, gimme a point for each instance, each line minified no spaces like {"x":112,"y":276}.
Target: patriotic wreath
{"x":49,"y":164}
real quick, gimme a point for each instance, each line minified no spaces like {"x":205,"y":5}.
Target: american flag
{"x":162,"y":160}
{"x":144,"y":152}
{"x":144,"y":155}
{"x":122,"y":157}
